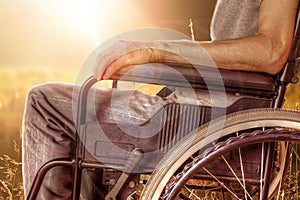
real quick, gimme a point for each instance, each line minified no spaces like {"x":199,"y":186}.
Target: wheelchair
{"x":248,"y":149}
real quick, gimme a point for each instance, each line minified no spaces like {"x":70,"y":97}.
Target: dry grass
{"x":11,"y":186}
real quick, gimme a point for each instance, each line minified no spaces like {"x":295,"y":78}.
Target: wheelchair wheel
{"x":231,"y":167}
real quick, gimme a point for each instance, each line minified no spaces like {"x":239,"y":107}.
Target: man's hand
{"x":123,"y":54}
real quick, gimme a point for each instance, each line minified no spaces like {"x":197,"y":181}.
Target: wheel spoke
{"x":285,"y":154}
{"x":243,"y":175}
{"x":191,"y":193}
{"x":294,"y":151}
{"x":221,"y":183}
{"x":262,"y":167}
{"x":236,"y":177}
{"x":242,"y":169}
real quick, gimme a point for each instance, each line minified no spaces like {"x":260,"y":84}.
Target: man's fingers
{"x":126,"y":60}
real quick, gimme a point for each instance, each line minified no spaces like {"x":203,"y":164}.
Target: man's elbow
{"x":278,"y":57}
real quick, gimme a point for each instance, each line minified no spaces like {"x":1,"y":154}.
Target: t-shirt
{"x":234,"y":19}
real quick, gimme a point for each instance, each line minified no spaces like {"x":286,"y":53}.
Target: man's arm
{"x":265,"y":52}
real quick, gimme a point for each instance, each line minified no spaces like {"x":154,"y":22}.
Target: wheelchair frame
{"x":270,"y":96}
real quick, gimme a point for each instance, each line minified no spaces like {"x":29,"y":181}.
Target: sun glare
{"x":81,"y":18}
{"x":81,"y":14}
{"x":88,"y":16}
{"x":101,"y":19}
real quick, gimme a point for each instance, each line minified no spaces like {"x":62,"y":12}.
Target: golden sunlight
{"x":81,"y":17}
{"x":81,"y":14}
{"x":101,"y":19}
{"x":62,"y":33}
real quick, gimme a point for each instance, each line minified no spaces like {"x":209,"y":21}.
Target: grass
{"x":11,"y":186}
{"x":14,"y":85}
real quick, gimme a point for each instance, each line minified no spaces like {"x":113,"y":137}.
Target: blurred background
{"x":49,"y":41}
{"x":38,"y":33}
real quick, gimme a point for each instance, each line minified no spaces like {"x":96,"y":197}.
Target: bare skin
{"x":265,"y":52}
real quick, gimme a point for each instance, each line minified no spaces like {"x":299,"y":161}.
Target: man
{"x":250,"y":35}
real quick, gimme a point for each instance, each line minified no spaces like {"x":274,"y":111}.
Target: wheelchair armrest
{"x":200,"y":77}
